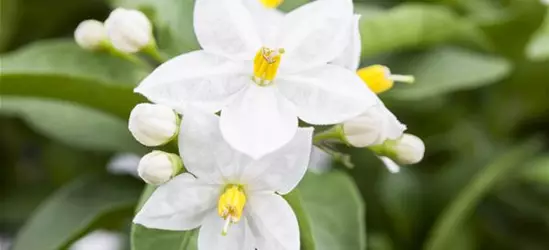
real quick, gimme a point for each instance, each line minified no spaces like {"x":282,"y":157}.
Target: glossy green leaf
{"x":411,"y":26}
{"x":59,"y":69}
{"x":74,"y":209}
{"x":538,"y":48}
{"x":73,"y":124}
{"x":445,"y":70}
{"x":442,"y":234}
{"x":173,"y":22}
{"x":335,"y":211}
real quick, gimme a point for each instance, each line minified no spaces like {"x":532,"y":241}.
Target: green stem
{"x":152,"y":51}
{"x":334,"y":133}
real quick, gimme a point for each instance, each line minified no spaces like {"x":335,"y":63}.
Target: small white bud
{"x":152,"y":124}
{"x":409,"y":149}
{"x":546,"y":2}
{"x":158,"y":167}
{"x":90,"y":34}
{"x":372,"y":127}
{"x":129,"y":30}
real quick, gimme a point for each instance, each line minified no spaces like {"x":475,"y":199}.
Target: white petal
{"x":258,"y":121}
{"x":180,"y":204}
{"x":350,"y":57}
{"x":268,"y":21}
{"x":204,"y":151}
{"x":273,"y":222}
{"x":281,"y":170}
{"x":326,"y":95}
{"x":392,"y":127}
{"x":321,"y":162}
{"x":315,"y":33}
{"x":390,"y":164}
{"x":239,"y":236}
{"x":196,"y":78}
{"x":225,"y":27}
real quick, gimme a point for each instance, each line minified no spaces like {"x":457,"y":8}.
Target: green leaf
{"x":74,"y":209}
{"x":59,"y":69}
{"x":538,"y":172}
{"x":463,"y":205}
{"x":73,"y":124}
{"x":445,"y":70}
{"x":295,"y":200}
{"x":538,"y":48}
{"x":335,"y":211}
{"x":173,"y":20}
{"x":416,"y":26}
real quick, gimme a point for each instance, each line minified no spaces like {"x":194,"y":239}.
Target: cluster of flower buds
{"x":127,"y":31}
{"x":155,"y":125}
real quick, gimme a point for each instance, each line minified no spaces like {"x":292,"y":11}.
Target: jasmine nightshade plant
{"x":264,"y":75}
{"x":234,"y":199}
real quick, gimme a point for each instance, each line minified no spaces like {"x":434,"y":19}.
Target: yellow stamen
{"x":379,"y":78}
{"x":266,"y":63}
{"x":230,"y":206}
{"x":271,"y":3}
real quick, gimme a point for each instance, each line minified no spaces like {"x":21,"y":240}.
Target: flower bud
{"x":158,"y":167}
{"x":409,"y":149}
{"x":153,"y":125}
{"x":90,"y":35}
{"x":372,"y":127}
{"x":129,"y":30}
{"x":379,"y":78}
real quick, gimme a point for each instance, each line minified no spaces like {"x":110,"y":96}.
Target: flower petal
{"x":225,"y":27}
{"x":273,"y":222}
{"x":180,"y":204}
{"x":239,"y":236}
{"x":390,"y":164}
{"x":313,"y":34}
{"x":350,"y":57}
{"x":281,"y":170}
{"x":196,"y":78}
{"x":258,"y":121}
{"x":267,"y":20}
{"x":326,"y":95}
{"x":204,"y":151}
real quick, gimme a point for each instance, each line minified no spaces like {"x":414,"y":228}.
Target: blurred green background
{"x":480,"y":102}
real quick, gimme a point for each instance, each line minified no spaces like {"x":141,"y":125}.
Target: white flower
{"x":90,"y":35}
{"x":99,"y":240}
{"x":263,"y":75}
{"x":234,"y":199}
{"x":546,"y":2}
{"x":129,"y":30}
{"x":373,"y":127}
{"x":409,"y":149}
{"x":153,"y":124}
{"x":158,"y":167}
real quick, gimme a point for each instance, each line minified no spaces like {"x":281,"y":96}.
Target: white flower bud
{"x":152,"y":124}
{"x":409,"y":149}
{"x":129,"y":30}
{"x":546,"y":2}
{"x":158,"y":167}
{"x":90,"y":34}
{"x":372,"y":127}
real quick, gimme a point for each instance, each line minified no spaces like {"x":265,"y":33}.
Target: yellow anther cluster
{"x":231,"y":203}
{"x":266,"y":64}
{"x":377,"y":77}
{"x":271,"y":3}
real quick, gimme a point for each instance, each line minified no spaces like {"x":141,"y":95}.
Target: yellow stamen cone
{"x":377,"y":77}
{"x":271,"y":3}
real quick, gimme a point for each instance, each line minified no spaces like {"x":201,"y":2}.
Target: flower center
{"x":266,"y":64}
{"x":271,"y":3}
{"x":231,"y":204}
{"x":379,"y":78}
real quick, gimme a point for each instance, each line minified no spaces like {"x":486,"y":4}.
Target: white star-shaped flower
{"x":234,"y":199}
{"x":264,"y":75}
